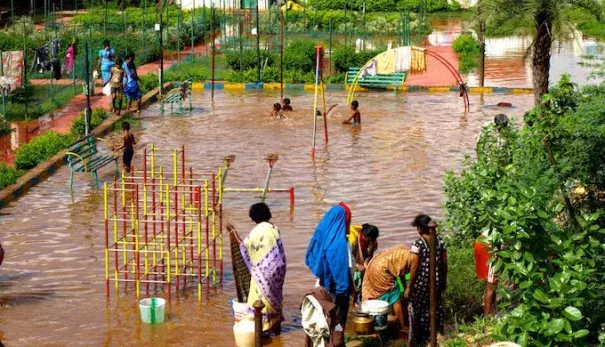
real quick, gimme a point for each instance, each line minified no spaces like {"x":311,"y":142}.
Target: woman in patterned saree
{"x":264,"y":255}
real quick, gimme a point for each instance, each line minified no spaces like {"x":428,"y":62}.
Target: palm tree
{"x":549,"y":20}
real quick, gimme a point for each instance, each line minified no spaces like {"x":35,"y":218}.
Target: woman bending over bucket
{"x":384,"y":279}
{"x":264,"y":255}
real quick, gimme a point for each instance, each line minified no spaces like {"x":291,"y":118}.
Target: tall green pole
{"x":178,"y":37}
{"x":105,"y":21}
{"x":346,"y":23}
{"x":330,"y":46}
{"x":13,"y":11}
{"x":192,"y":32}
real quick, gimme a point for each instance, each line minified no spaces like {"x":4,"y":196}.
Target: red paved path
{"x":437,"y":75}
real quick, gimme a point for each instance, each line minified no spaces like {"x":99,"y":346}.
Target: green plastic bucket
{"x":152,"y":310}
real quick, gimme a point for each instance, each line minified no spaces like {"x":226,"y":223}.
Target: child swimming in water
{"x":355,"y":118}
{"x":287,"y":107}
{"x":277,"y":112}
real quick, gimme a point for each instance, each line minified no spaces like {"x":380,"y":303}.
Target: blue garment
{"x":328,"y":255}
{"x":131,"y":86}
{"x":106,"y":62}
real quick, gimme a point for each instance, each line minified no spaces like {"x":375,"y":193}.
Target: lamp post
{"x":257,"y":43}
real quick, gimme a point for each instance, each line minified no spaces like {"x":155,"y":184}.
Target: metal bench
{"x":177,"y":96}
{"x":83,"y":156}
{"x":394,"y":80}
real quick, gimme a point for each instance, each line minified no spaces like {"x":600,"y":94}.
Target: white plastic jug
{"x":244,"y":332}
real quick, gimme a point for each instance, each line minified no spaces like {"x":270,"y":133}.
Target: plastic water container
{"x":244,"y":332}
{"x":378,"y":309}
{"x":152,"y":310}
{"x":239,"y":310}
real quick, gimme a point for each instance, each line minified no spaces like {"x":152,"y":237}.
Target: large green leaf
{"x":572,"y":313}
{"x":541,"y":296}
{"x":580,"y":333}
{"x":556,"y":325}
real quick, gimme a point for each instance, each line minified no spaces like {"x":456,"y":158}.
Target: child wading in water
{"x":117,"y":88}
{"x":128,"y":146}
{"x":277,"y":111}
{"x":287,"y":107}
{"x":355,"y":118}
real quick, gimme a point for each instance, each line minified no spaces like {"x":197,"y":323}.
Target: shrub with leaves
{"x":8,"y":175}
{"x":550,"y":265}
{"x":40,"y":149}
{"x":78,"y":127}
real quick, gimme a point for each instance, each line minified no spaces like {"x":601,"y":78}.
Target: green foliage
{"x":40,"y":100}
{"x":149,"y":81}
{"x":8,"y":175}
{"x":40,"y":149}
{"x":346,"y":57}
{"x":469,"y":52}
{"x":387,"y":5}
{"x":300,"y":55}
{"x":78,"y":127}
{"x":552,"y":265}
{"x":249,"y":59}
{"x":476,"y":333}
{"x":465,"y":290}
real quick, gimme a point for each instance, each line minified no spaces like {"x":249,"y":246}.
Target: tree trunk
{"x":541,"y":54}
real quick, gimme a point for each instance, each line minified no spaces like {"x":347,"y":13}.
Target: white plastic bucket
{"x":152,"y":310}
{"x":379,"y":310}
{"x":239,"y":310}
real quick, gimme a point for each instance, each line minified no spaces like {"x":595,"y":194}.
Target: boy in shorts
{"x":117,"y":88}
{"x":128,"y":146}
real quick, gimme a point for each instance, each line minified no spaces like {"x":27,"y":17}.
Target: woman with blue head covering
{"x":329,"y":257}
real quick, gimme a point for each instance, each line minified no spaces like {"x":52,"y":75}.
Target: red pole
{"x":176,"y":237}
{"x":155,"y":277}
{"x":115,"y":213}
{"x":136,"y":234}
{"x":183,"y":163}
{"x":213,"y":211}
{"x":145,"y":166}
{"x":199,"y":251}
{"x":107,"y":250}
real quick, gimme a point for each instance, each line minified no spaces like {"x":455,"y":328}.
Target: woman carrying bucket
{"x":264,"y":255}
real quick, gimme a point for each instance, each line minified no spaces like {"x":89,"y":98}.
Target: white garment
{"x":314,"y":321}
{"x":403,"y":58}
{"x":370,"y":69}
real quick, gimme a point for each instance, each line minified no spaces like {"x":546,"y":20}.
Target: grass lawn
{"x":39,"y":100}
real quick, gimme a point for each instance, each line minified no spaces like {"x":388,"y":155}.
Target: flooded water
{"x":507,"y":59}
{"x":52,"y":289}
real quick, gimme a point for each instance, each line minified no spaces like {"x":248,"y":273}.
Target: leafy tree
{"x":549,"y":19}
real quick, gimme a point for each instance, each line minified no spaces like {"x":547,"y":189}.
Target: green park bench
{"x":177,"y":96}
{"x":394,"y":80}
{"x":83,"y":156}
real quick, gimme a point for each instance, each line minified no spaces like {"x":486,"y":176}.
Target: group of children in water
{"x":279,"y":110}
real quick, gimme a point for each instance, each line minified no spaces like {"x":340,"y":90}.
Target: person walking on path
{"x":131,"y":85}
{"x":106,"y":56}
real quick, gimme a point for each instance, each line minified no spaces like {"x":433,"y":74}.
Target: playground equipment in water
{"x":166,"y":226}
{"x":319,"y":86}
{"x":177,"y":96}
{"x":395,"y":61}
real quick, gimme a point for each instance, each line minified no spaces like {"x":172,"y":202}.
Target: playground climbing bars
{"x":163,"y":226}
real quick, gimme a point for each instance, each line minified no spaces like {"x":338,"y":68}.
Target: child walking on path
{"x":117,"y":88}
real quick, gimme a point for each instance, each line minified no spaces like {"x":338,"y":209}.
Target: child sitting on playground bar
{"x":128,"y":146}
{"x":287,"y":107}
{"x":277,"y":112}
{"x":355,"y":118}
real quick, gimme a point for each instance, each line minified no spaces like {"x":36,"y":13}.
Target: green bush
{"x":469,"y":51}
{"x":552,"y":263}
{"x":40,"y":149}
{"x":345,"y":57}
{"x":300,"y":55}
{"x":148,"y":82}
{"x":249,"y":59}
{"x":8,"y":175}
{"x":464,"y":294}
{"x":97,"y":117}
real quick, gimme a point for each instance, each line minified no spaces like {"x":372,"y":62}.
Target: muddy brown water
{"x":52,"y":289}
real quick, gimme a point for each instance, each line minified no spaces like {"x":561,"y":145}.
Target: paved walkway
{"x":436,"y":75}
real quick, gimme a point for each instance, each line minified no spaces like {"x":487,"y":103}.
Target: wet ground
{"x":52,"y":289}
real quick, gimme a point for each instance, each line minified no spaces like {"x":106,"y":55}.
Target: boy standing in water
{"x":277,"y":112}
{"x":117,"y":88}
{"x":287,"y":107}
{"x":355,"y":118}
{"x":128,"y":146}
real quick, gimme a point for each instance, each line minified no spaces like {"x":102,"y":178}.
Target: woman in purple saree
{"x":264,"y":255}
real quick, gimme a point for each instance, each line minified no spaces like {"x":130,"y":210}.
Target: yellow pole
{"x":220,"y":201}
{"x":199,"y":253}
{"x":168,"y":230}
{"x":136,"y":254}
{"x":206,"y":216}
